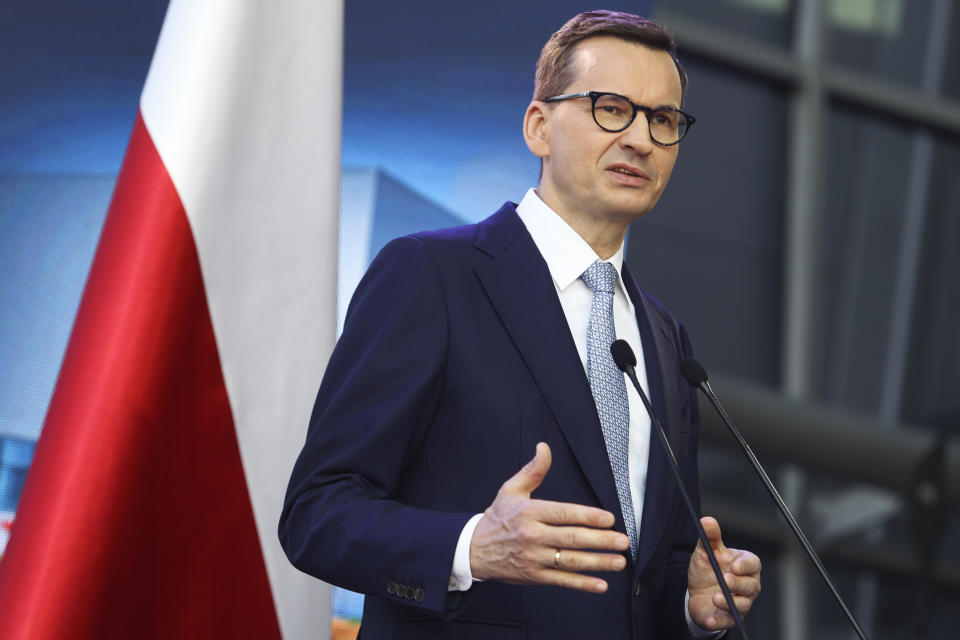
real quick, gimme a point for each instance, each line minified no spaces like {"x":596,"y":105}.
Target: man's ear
{"x":536,"y":129}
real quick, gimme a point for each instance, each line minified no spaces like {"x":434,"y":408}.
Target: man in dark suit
{"x":466,"y":349}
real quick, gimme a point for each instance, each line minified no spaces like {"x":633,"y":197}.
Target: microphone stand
{"x":697,"y":377}
{"x":626,"y":361}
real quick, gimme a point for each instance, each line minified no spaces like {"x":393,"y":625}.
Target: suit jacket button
{"x":405,"y":591}
{"x":392,"y":587}
{"x":419,"y":595}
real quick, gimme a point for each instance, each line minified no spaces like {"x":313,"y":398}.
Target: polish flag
{"x":151,"y":507}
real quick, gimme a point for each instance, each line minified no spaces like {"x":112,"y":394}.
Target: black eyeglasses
{"x":613,"y":112}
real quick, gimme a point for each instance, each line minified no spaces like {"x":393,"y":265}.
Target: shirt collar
{"x":566,"y":253}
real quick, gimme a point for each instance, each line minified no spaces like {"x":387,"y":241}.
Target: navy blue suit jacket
{"x":455,"y":360}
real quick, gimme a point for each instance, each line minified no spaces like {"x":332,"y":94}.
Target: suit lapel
{"x":518,"y":283}
{"x":660,"y":359}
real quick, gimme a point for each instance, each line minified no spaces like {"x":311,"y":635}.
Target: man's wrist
{"x":461,"y":577}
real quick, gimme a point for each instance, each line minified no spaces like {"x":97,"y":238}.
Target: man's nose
{"x":637,"y":138}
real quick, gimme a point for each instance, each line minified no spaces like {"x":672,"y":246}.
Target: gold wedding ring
{"x":556,"y":560}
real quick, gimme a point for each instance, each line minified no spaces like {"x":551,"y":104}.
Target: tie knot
{"x":601,"y":277}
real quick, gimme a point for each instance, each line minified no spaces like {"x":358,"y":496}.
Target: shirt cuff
{"x":696,"y":632}
{"x":461,"y":578}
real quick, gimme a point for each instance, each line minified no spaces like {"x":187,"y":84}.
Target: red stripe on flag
{"x":135,"y":520}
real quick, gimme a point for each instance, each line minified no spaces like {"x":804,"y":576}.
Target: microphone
{"x":696,"y":375}
{"x":626,"y":361}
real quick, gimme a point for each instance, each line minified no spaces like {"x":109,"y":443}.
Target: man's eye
{"x":664,"y":119}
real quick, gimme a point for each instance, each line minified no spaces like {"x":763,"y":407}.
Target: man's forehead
{"x":614,"y":59}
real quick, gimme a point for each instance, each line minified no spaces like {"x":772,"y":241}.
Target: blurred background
{"x":807,"y":240}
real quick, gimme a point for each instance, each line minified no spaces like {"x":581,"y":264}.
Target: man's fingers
{"x":743,"y":586}
{"x":579,"y":561}
{"x":721,"y":618}
{"x":530,"y":475}
{"x":744,"y":591}
{"x":569,"y":580}
{"x":567,"y":513}
{"x":747,"y":564}
{"x":748,"y":586}
{"x":582,"y":538}
{"x":743,"y":603}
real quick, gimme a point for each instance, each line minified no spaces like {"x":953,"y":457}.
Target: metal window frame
{"x":813,"y":84}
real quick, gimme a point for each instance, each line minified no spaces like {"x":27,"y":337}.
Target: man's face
{"x":594,"y":174}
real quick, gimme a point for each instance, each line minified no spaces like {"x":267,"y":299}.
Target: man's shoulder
{"x":641,"y":296}
{"x":506,"y":215}
{"x":490,"y":235}
{"x":451,"y":250}
{"x":657,"y":313}
{"x":653,"y":304}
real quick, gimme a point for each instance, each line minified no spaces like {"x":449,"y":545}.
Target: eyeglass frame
{"x":647,"y":111}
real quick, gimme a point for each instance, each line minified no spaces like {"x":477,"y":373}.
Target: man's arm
{"x":342,"y":520}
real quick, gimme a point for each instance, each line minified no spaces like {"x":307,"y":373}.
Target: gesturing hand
{"x":518,"y":539}
{"x":741,"y":570}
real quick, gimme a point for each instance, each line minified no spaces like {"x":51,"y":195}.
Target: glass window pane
{"x":886,"y":38}
{"x":892,"y":303}
{"x":767,"y":20}
{"x":867,"y":175}
{"x":930,"y":395}
{"x":951,"y":80}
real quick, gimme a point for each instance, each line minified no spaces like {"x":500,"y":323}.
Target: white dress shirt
{"x":567,"y":256}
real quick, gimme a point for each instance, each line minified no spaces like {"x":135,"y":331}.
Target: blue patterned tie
{"x":609,"y":389}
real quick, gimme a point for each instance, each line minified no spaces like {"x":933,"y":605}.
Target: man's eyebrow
{"x":675,"y":107}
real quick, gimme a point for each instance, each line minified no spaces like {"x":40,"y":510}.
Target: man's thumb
{"x":530,"y":475}
{"x":712,"y":528}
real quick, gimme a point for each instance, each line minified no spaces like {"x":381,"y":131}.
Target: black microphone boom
{"x":626,"y":361}
{"x":696,"y":375}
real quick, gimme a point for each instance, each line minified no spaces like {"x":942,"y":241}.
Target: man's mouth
{"x":629,"y":171}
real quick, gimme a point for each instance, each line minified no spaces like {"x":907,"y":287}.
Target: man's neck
{"x":604,"y":236}
{"x":605,"y":239}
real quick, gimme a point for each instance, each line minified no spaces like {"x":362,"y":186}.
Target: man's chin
{"x":628,"y":211}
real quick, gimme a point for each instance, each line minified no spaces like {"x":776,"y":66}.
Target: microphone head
{"x":622,"y":355}
{"x":693,"y":371}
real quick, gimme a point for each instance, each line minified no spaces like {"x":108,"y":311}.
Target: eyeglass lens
{"x":614,"y":112}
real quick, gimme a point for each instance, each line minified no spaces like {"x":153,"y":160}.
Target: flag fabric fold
{"x":150,"y":509}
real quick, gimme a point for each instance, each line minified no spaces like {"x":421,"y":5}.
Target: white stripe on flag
{"x":243,"y":103}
